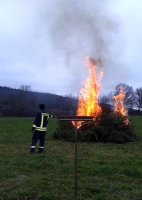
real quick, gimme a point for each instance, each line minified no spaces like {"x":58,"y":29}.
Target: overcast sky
{"x":43,"y":43}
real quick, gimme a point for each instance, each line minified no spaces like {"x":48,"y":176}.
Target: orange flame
{"x":119,"y":107}
{"x":88,"y":98}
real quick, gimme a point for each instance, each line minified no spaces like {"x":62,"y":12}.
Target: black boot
{"x":32,"y":150}
{"x":40,"y":150}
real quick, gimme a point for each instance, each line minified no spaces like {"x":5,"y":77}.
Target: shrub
{"x":107,"y":128}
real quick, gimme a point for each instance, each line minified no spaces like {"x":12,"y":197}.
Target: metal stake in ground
{"x":75,"y":119}
{"x":76,"y":169}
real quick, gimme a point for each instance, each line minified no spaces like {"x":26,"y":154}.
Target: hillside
{"x":16,"y":102}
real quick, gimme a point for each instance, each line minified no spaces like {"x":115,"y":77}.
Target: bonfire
{"x":105,"y":127}
{"x":119,"y":107}
{"x":88,"y":98}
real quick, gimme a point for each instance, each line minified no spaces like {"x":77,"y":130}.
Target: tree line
{"x":24,"y":102}
{"x":132,"y":101}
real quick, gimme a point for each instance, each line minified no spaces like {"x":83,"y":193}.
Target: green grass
{"x":105,"y":171}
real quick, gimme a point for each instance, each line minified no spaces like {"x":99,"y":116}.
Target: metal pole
{"x":75,"y":119}
{"x":76,"y":164}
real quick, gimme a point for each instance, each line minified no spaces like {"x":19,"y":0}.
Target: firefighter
{"x":39,"y":129}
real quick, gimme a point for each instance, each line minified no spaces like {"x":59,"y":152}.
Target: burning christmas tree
{"x":105,"y":127}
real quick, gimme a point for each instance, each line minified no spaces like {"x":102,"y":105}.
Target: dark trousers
{"x":38,"y":135}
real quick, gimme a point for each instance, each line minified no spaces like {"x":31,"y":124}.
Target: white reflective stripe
{"x":32,"y":146}
{"x":34,"y":125}
{"x":41,"y":147}
{"x":45,"y":114}
{"x":41,"y":129}
{"x":42,"y":117}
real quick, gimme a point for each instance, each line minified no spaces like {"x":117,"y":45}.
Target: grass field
{"x":105,"y":171}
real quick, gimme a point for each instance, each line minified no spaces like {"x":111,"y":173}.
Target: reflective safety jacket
{"x":41,"y":121}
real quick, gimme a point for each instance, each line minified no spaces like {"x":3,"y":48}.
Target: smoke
{"x":79,"y":29}
{"x":50,"y":40}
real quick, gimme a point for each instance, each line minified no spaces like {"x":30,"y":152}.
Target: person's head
{"x":42,"y":106}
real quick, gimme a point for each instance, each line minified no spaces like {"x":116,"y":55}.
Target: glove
{"x":53,"y":116}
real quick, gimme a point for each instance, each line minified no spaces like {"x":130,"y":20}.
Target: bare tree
{"x":105,"y":99}
{"x":25,"y":87}
{"x":139,"y":98}
{"x":130,"y":98}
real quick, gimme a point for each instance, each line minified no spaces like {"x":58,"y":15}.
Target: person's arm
{"x":36,"y":122}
